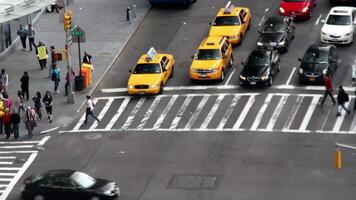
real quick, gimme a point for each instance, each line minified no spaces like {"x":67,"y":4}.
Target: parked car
{"x":276,"y":32}
{"x":261,"y":67}
{"x":297,"y":8}
{"x":317,"y":61}
{"x":339,"y":26}
{"x":68,"y":185}
{"x":172,"y":2}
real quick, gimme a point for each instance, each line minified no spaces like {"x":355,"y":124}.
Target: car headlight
{"x":242,"y":77}
{"x":282,"y":10}
{"x":154,"y":86}
{"x":325,"y":71}
{"x":305,"y":9}
{"x":214,"y":70}
{"x":281,"y":43}
{"x":194,"y":70}
{"x":259,"y":43}
{"x":300,"y":71}
{"x":264,"y":77}
{"x":233,"y":37}
{"x":130,"y":86}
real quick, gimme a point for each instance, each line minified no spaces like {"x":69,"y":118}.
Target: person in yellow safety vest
{"x":42,"y":54}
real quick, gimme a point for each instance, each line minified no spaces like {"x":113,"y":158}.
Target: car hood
{"x":250,"y":70}
{"x":336,"y":30}
{"x":144,"y":79}
{"x":314,"y":67}
{"x":271,"y":37}
{"x":225,"y":30}
{"x":294,"y":6}
{"x":205,"y":64}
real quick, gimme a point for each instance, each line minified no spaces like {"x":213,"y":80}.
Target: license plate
{"x":253,"y":83}
{"x":141,"y":93}
{"x":311,"y":79}
{"x":203,"y":75}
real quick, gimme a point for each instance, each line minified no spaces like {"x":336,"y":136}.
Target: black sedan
{"x":261,"y":67}
{"x":276,"y":32}
{"x":68,"y":185}
{"x":317,"y":61}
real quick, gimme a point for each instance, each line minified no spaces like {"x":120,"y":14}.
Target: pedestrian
{"x":31,"y":32}
{"x":19,"y":102}
{"x":7,"y":34}
{"x":342,"y":98}
{"x":25,"y":85}
{"x":354,"y":80}
{"x":48,"y":102}
{"x":30,"y":121}
{"x":4,"y":80}
{"x":37,"y":104}
{"x":56,"y":78}
{"x":328,"y":89}
{"x":15,"y":121}
{"x":42,"y":54}
{"x":53,"y":60}
{"x":89,"y":110}
{"x":86,"y":58}
{"x":22,"y":33}
{"x":68,"y":79}
{"x":8,"y":103}
{"x":7,"y":123}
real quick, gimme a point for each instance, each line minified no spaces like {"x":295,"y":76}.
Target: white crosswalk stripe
{"x":255,"y":112}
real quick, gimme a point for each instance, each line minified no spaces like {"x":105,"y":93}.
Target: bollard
{"x":338,"y":159}
{"x":134,"y":11}
{"x":128,"y":12}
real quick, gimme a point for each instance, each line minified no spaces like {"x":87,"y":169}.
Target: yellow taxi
{"x":151,"y":73}
{"x":232,"y":22}
{"x":213,"y":56}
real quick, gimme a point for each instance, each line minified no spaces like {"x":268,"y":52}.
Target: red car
{"x":297,"y":8}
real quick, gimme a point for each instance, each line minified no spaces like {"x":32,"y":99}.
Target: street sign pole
{"x":80,"y":58}
{"x":71,"y":95}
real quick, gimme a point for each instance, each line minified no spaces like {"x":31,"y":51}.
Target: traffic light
{"x":67,"y":20}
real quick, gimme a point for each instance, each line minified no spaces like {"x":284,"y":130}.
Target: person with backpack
{"x":30,"y":121}
{"x":89,"y":110}
{"x":37,"y":104}
{"x":56,"y":78}
{"x":15,"y":121}
{"x":342,"y":98}
{"x":48,"y":101}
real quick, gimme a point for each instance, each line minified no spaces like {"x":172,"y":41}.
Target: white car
{"x":339,"y":26}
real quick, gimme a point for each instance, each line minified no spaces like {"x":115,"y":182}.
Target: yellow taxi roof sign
{"x":151,"y":54}
{"x":228,"y":8}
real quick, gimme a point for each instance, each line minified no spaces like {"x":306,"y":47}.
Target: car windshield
{"x":147,"y":69}
{"x":339,"y":20}
{"x":273,"y":28}
{"x":315,"y":57}
{"x":82,"y":179}
{"x":208,"y":54}
{"x":226,"y":21}
{"x":258,"y":59}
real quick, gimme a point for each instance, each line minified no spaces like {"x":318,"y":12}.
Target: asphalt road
{"x":213,"y":141}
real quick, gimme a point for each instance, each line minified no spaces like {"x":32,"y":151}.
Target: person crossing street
{"x":342,"y":98}
{"x":328,"y":90}
{"x":89,"y":110}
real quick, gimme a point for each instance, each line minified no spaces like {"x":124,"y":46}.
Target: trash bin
{"x":88,"y":69}
{"x":79,"y":82}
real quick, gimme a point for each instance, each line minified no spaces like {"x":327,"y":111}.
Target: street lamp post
{"x":71,"y":95}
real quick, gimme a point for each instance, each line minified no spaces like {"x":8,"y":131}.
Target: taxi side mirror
{"x":299,"y":59}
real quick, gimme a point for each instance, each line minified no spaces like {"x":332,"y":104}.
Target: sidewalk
{"x":107,"y":32}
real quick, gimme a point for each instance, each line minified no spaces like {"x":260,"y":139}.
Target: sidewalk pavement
{"x":107,"y":32}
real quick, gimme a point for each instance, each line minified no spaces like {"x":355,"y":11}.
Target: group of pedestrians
{"x":342,"y":96}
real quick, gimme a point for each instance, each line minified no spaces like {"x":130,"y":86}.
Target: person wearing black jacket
{"x":342,"y":98}
{"x":48,"y":101}
{"x":15,"y":120}
{"x":25,"y":85}
{"x":86,"y":58}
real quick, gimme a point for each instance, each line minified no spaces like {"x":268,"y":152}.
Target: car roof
{"x":156,"y":59}
{"x":59,"y":173}
{"x":235,"y":12}
{"x":211,"y":42}
{"x":274,"y":20}
{"x":259,"y":52}
{"x":341,"y":10}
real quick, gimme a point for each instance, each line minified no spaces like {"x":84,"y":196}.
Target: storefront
{"x":16,"y":12}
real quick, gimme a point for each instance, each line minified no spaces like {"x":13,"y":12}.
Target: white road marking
{"x":293,"y":112}
{"x":5,"y":179}
{"x":10,"y":168}
{"x":133,"y":113}
{"x":120,"y":110}
{"x":260,"y":113}
{"x":230,"y":76}
{"x":7,"y":174}
{"x":21,"y":142}
{"x":196,"y":112}
{"x":102,"y":113}
{"x":49,"y":130}
{"x":79,"y":124}
{"x":227,"y":113}
{"x":165,"y":112}
{"x":290,"y":76}
{"x":6,"y":163}
{"x":12,"y":152}
{"x":309,"y":114}
{"x":325,"y":120}
{"x":180,"y":112}
{"x":318,"y":20}
{"x":212,"y":111}
{"x":43,"y":141}
{"x":263,"y":18}
{"x":7,"y":157}
{"x":16,"y":147}
{"x":340,"y":119}
{"x":244,"y":112}
{"x":149,"y":113}
{"x":277,"y":111}
{"x":353,"y":124}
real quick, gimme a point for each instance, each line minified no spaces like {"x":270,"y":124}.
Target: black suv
{"x":317,"y":61}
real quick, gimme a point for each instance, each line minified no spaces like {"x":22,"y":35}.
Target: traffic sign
{"x":78,"y":34}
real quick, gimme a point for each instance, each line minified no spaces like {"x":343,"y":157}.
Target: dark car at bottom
{"x":261,"y":67}
{"x":68,"y":185}
{"x":318,"y":60}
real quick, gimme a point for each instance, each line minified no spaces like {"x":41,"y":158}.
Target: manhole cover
{"x":202,"y":182}
{"x":93,"y":136}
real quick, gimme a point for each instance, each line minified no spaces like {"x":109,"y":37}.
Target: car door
{"x":224,"y":53}
{"x":165,"y":72}
{"x":66,"y":189}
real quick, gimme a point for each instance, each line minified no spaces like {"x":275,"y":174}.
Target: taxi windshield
{"x":226,"y":21}
{"x":147,"y":69}
{"x":208,"y":54}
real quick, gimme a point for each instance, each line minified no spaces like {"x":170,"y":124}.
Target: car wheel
{"x":160,"y":88}
{"x":270,"y":80}
{"x":172,"y":72}
{"x":38,"y":197}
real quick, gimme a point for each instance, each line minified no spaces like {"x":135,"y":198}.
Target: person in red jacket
{"x":328,"y":89}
